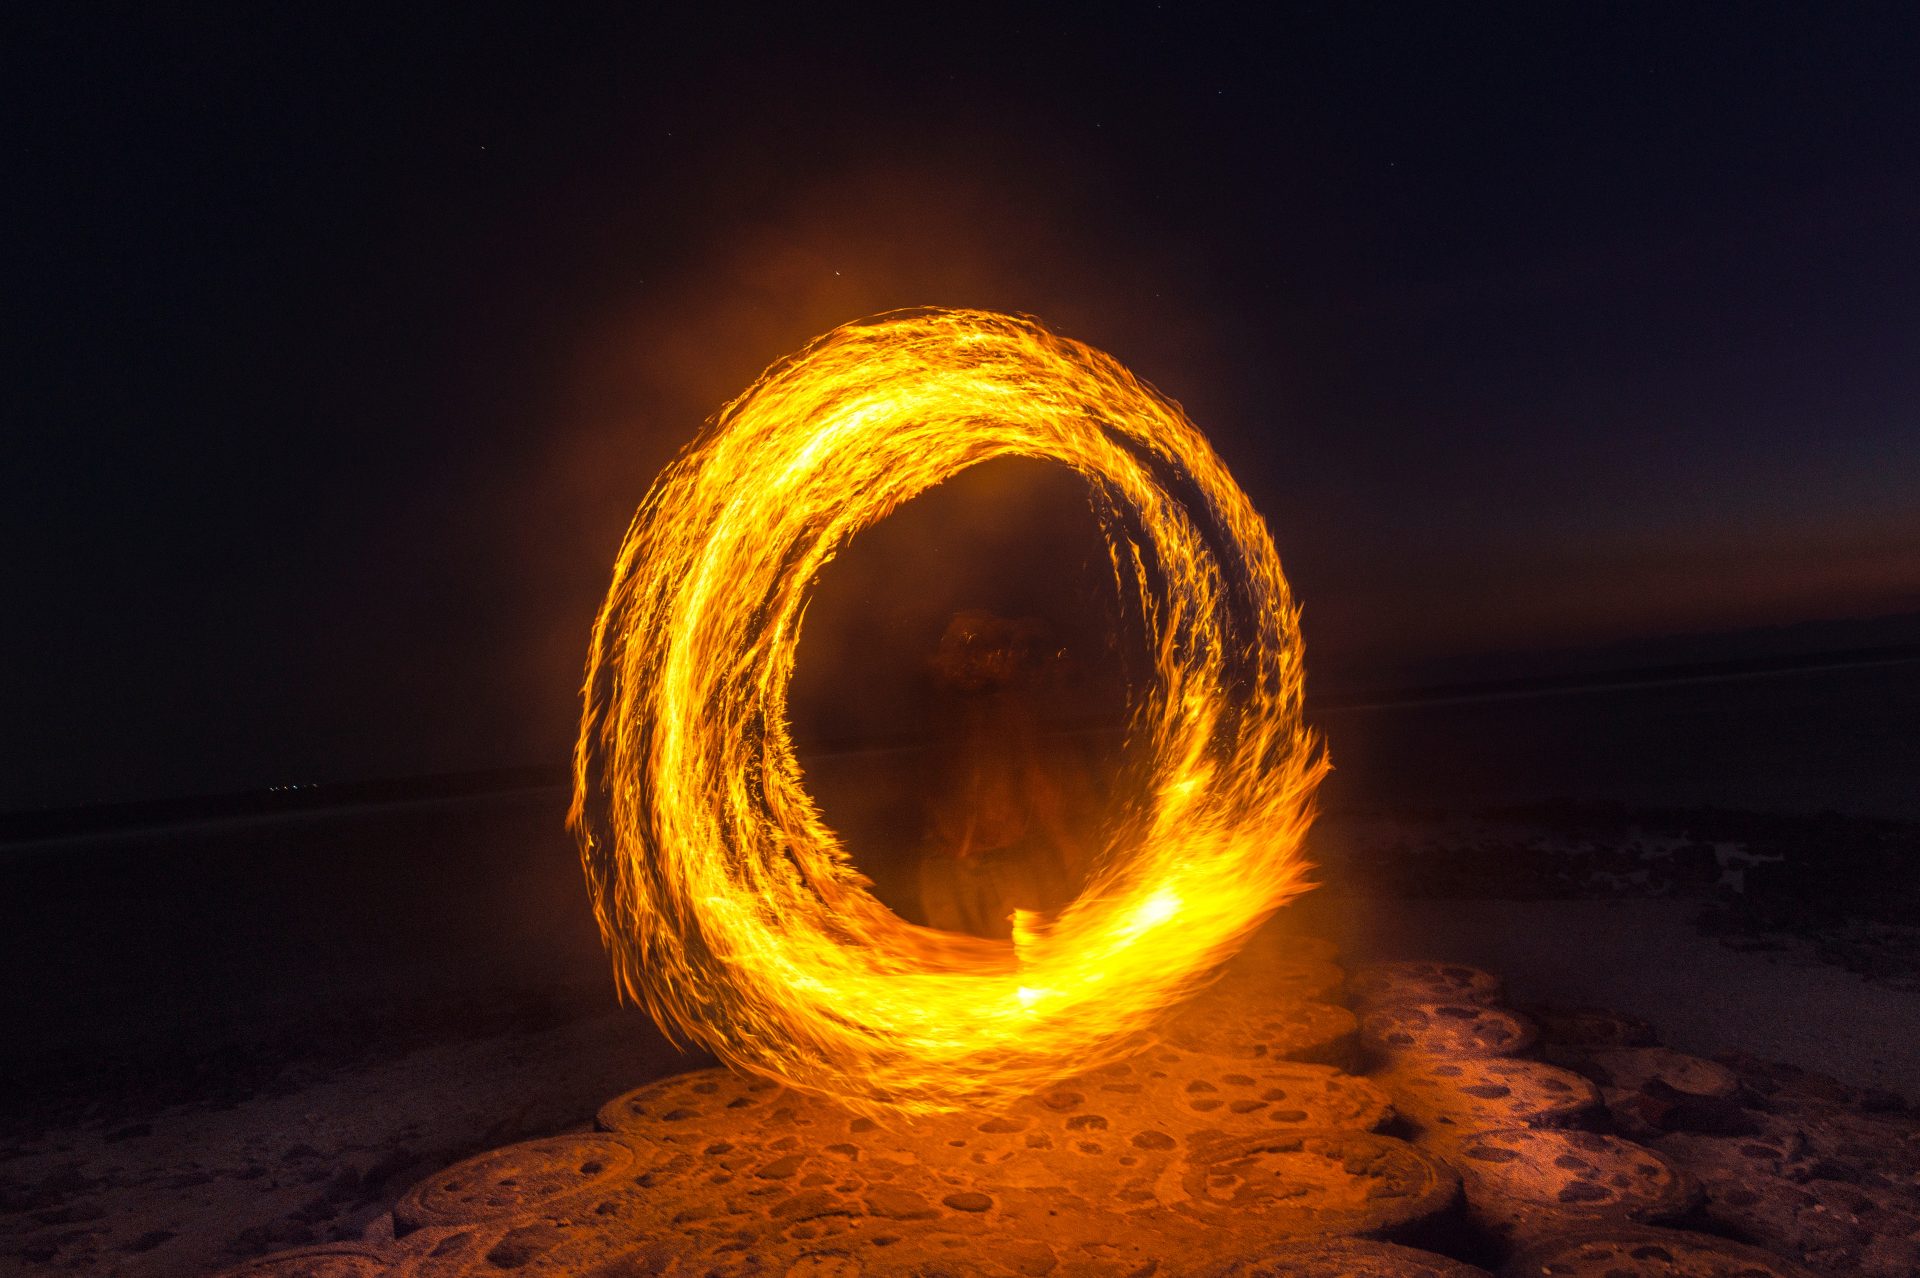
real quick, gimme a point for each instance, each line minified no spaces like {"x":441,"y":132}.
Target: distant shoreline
{"x":55,"y":825}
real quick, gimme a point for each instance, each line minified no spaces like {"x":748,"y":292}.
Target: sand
{"x":1647,"y":958}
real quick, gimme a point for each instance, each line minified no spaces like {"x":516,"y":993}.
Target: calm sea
{"x":1845,"y":740}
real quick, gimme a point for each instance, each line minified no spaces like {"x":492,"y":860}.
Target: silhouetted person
{"x":1011,"y":821}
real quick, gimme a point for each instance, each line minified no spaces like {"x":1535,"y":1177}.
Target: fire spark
{"x":728,"y":906}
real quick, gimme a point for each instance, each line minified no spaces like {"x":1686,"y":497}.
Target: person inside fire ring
{"x":1010,"y":817}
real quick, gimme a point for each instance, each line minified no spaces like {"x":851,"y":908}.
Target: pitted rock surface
{"x":1770,"y":1148}
{"x":1784,"y":1085}
{"x":1422,"y":982}
{"x":1527,"y":1182}
{"x":757,"y":1206}
{"x":884,"y":1218}
{"x":1088,"y":1177}
{"x":1589,"y":1027}
{"x":1113,"y":1134}
{"x":1633,"y":1069}
{"x":328,"y":1260}
{"x":1648,"y":1253}
{"x":1244,"y":1161}
{"x":1455,"y":1098}
{"x":1445,"y":1029}
{"x":515,"y":1180}
{"x":1191,"y":1091}
{"x":1309,"y":1183}
{"x":1837,"y":1143}
{"x":1346,"y":1258}
{"x":1228,"y":1021}
{"x":1651,"y":1090}
{"x":446,"y":1251}
{"x":688,"y":1106}
{"x":1777,"y":1188}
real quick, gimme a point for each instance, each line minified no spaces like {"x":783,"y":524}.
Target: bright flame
{"x":735,"y":914}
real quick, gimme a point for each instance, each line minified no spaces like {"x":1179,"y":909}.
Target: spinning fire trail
{"x":731,"y":909}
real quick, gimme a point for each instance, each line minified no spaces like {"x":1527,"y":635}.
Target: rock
{"x":1525,"y":1183}
{"x":1785,"y":1084}
{"x":690,"y":1108}
{"x":1095,"y":1177}
{"x":1182,"y":1092}
{"x":1877,"y":1147}
{"x":1177,"y":1161}
{"x":1344,"y":1258}
{"x":1659,"y":1107}
{"x":1423,"y":982}
{"x":1647,"y":1253}
{"x":1302,"y":1184}
{"x":517,"y":1179}
{"x":1226,"y":1022}
{"x":1448,"y":1099}
{"x":1630,"y":1069}
{"x":968,"y":1200}
{"x":1778,"y":1189}
{"x":448,"y":1252}
{"x":523,"y":1244}
{"x":1655,"y":1089}
{"x":1589,"y":1027}
{"x":1445,"y":1029}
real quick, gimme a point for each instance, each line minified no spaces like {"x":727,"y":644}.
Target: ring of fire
{"x":728,"y":906}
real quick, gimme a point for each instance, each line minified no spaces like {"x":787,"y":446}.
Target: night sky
{"x":345,"y":346}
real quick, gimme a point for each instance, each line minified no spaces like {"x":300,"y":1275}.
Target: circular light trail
{"x":728,"y":906}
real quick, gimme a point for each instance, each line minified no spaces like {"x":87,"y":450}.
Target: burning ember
{"x":728,"y":905}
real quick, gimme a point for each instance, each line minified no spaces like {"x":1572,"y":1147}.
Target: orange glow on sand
{"x":728,"y":906}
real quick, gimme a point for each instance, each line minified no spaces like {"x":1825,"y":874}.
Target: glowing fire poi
{"x":731,"y":909}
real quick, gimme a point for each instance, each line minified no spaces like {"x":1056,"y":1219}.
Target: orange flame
{"x":730,"y":908}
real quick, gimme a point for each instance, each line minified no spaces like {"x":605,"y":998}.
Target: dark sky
{"x":346,"y":345}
